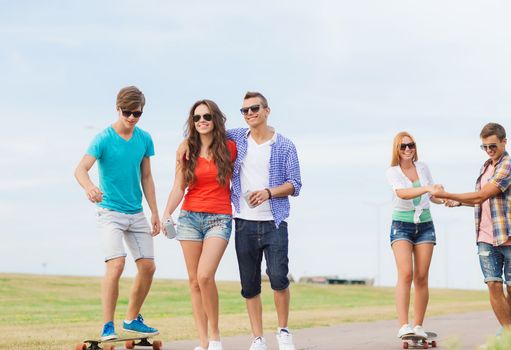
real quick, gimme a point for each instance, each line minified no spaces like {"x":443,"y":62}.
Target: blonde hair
{"x":396,"y":147}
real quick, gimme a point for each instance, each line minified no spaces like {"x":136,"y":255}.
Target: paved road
{"x":467,"y":330}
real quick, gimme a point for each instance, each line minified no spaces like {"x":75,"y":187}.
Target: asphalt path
{"x":456,"y":331}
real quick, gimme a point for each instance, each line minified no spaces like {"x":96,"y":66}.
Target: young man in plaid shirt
{"x":492,"y":202}
{"x":266,"y":173}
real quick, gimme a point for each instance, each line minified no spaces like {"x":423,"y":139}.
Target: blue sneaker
{"x":138,"y":326}
{"x":108,"y":332}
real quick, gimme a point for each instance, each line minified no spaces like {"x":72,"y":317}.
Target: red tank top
{"x":206,"y":195}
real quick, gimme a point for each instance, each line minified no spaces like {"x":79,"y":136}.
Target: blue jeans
{"x":196,"y":226}
{"x":253,"y":239}
{"x":423,"y":232}
{"x":494,"y":261}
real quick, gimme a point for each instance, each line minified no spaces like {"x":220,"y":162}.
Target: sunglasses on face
{"x":491,"y":147}
{"x":127,"y":113}
{"x":253,"y":109}
{"x":206,"y":117}
{"x":410,"y":145}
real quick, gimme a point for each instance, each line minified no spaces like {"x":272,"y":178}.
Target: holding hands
{"x":438,"y":192}
{"x":452,"y":203}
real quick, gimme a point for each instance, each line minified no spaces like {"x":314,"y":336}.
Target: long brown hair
{"x":397,"y":144}
{"x":218,"y":148}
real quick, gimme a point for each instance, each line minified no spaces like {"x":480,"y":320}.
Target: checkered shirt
{"x":284,"y":167}
{"x":500,"y":205}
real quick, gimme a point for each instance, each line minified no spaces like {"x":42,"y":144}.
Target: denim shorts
{"x":253,"y":240}
{"x":133,"y":228}
{"x":196,"y":226}
{"x":420,"y":233}
{"x":494,"y":261}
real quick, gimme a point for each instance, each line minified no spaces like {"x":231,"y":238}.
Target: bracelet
{"x":269,"y":193}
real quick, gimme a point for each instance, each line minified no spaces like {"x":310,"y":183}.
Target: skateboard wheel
{"x":433,"y":343}
{"x":425,"y":345}
{"x":157,"y":345}
{"x":80,"y":346}
{"x":405,"y":345}
{"x":130,"y":344}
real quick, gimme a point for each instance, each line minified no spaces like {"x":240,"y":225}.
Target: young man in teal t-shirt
{"x":122,"y":151}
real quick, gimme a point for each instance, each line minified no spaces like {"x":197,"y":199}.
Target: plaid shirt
{"x":500,"y":205}
{"x":284,"y":167}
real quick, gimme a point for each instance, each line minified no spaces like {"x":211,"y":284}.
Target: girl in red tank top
{"x":204,"y":224}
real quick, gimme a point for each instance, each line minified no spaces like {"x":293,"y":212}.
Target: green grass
{"x":61,"y":310}
{"x":500,"y":343}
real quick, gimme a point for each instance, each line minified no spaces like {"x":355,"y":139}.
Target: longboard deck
{"x":130,"y":343}
{"x":99,"y":341}
{"x":431,"y":336}
{"x":413,"y":341}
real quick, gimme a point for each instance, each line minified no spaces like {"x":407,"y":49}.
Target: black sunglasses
{"x":253,"y":109}
{"x":127,"y":113}
{"x":207,"y":117}
{"x":410,"y":145}
{"x":491,"y":146}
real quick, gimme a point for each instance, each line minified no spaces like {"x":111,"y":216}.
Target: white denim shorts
{"x":135,"y":230}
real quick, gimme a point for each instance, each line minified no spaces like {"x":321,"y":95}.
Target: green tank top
{"x":407,"y":216}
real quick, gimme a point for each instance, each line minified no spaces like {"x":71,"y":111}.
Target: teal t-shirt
{"x":407,"y":216}
{"x":119,"y":163}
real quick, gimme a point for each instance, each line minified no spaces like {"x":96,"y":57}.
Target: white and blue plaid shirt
{"x":284,"y":167}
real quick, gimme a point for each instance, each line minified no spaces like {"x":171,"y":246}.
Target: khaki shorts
{"x":133,"y":228}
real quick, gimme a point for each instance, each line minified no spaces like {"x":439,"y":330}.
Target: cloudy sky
{"x":342,"y":78}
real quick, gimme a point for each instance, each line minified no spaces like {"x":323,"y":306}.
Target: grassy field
{"x":55,"y":312}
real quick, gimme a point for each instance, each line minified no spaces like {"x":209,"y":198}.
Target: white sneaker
{"x":215,"y":345}
{"x":259,"y":343}
{"x":405,"y":330}
{"x":419,"y":331}
{"x":285,"y":339}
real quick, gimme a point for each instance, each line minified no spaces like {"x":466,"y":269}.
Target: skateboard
{"x":129,"y":343}
{"x":413,"y":341}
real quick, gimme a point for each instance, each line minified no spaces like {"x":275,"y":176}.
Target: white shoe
{"x":405,"y":330}
{"x":215,"y":345}
{"x":285,"y":339}
{"x":419,"y":331}
{"x":259,"y":343}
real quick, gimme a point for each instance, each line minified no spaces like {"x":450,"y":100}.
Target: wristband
{"x":269,"y":193}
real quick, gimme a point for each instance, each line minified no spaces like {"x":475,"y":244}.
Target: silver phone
{"x":168,"y":229}
{"x":246,"y":195}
